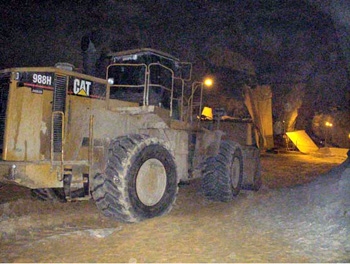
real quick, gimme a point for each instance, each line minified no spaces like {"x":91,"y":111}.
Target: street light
{"x":208,"y":82}
{"x":195,"y":85}
{"x":328,"y":126}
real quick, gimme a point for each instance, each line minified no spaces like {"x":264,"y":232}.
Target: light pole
{"x":328,"y":127}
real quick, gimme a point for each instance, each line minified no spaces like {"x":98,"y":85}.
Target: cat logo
{"x":82,"y":87}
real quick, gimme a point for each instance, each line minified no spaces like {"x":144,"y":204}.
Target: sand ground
{"x":276,"y":224}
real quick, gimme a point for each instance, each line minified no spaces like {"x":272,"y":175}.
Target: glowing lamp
{"x":328,"y":124}
{"x":208,"y":82}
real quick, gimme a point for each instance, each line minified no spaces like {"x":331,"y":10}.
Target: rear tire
{"x":257,"y":179}
{"x":252,"y":169}
{"x":139,"y":182}
{"x":223,"y":174}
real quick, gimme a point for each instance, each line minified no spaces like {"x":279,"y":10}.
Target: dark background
{"x":299,"y":48}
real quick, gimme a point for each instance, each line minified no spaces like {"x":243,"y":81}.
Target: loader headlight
{"x":110,"y":81}
{"x":12,"y":172}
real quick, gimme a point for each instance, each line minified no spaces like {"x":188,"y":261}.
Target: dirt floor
{"x":279,"y":223}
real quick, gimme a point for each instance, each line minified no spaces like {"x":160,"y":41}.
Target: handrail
{"x":148,"y":83}
{"x":172,"y":83}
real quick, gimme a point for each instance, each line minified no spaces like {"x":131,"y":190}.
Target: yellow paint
{"x":208,"y":113}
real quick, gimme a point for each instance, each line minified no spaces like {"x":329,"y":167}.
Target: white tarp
{"x":302,"y":141}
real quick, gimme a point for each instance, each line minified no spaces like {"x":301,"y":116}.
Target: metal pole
{"x":200,"y":103}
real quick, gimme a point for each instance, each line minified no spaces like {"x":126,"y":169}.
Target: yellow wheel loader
{"x":125,"y":141}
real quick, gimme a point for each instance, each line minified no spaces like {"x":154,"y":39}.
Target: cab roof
{"x":139,"y":52}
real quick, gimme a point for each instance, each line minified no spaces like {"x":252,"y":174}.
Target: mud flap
{"x":251,"y":168}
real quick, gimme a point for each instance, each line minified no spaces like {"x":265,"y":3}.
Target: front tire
{"x":139,"y":182}
{"x":223,"y":174}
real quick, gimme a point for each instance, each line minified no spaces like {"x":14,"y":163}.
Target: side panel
{"x":207,"y":144}
{"x":77,"y":127}
{"x":84,"y":95}
{"x":28,"y":124}
{"x":30,"y":174}
{"x":178,"y":140}
{"x":237,"y":131}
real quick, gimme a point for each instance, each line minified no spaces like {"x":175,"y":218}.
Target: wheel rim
{"x":151,"y":182}
{"x":235,"y":172}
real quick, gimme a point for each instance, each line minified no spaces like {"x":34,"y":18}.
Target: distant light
{"x":110,"y":81}
{"x":208,"y":82}
{"x":328,"y":124}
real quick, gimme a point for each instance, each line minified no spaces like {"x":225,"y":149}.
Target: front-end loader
{"x":125,"y":141}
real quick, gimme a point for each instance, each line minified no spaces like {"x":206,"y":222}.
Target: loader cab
{"x":147,"y":77}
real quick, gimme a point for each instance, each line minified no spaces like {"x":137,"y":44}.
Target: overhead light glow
{"x":328,"y":124}
{"x":208,"y":82}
